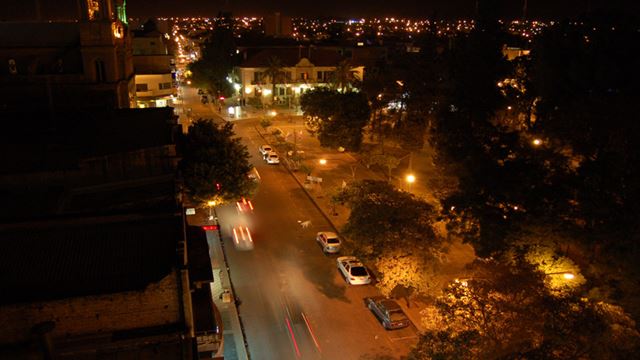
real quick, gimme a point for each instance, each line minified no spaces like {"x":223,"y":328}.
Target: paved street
{"x":294,"y":303}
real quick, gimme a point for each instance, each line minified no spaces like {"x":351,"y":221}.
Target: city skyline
{"x":452,"y":9}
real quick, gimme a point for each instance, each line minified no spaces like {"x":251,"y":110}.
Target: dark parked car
{"x":388,"y":312}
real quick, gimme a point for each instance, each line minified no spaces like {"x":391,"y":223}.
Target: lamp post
{"x":211,"y":204}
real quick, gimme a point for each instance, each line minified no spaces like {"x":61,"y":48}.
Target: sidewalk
{"x":234,"y":343}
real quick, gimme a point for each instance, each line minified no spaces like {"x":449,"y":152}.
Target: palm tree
{"x":344,"y":76}
{"x":274,"y":73}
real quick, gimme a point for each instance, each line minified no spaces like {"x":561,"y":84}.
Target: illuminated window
{"x":118,"y":30}
{"x":93,"y":9}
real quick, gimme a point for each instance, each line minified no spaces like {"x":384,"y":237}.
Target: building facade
{"x":155,"y":68}
{"x":300,"y":68}
{"x":79,"y":57}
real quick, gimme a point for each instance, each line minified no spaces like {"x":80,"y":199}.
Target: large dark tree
{"x":338,"y":118}
{"x":468,"y":143}
{"x":217,"y":60}
{"x":215,"y":164}
{"x":586,"y":81}
{"x":394,"y":230}
{"x":588,"y":86}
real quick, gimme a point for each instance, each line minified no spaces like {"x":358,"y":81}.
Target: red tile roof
{"x":291,"y":56}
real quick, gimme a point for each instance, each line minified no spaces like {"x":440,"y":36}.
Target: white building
{"x":153,"y":66}
{"x":302,"y":68}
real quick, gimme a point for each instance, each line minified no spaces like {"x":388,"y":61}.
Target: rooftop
{"x":86,"y":256}
{"x":290,"y":56}
{"x":41,"y":141}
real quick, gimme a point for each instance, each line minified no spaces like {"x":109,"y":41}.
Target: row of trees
{"x":544,"y":150}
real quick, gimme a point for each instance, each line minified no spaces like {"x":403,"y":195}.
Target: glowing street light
{"x":211,"y":204}
{"x":536,"y":142}
{"x":323,"y":161}
{"x":410,"y":179}
{"x":565,"y":274}
{"x":568,"y":276}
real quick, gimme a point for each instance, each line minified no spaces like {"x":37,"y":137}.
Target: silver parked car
{"x":272,"y":158}
{"x":354,"y":272}
{"x":329,"y":241}
{"x":265,"y":149}
{"x":388,"y":312}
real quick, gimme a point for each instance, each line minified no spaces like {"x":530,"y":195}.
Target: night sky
{"x":537,"y":9}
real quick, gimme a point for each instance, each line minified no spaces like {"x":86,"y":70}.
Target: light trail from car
{"x":313,"y":337}
{"x":293,"y":337}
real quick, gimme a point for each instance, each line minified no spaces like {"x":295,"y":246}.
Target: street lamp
{"x":211,"y":204}
{"x":323,"y":161}
{"x":410,"y":180}
{"x":565,"y":274}
{"x":536,"y":142}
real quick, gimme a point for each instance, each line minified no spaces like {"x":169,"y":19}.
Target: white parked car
{"x":329,"y":241}
{"x":272,"y":158}
{"x":265,"y":149}
{"x":353,"y":270}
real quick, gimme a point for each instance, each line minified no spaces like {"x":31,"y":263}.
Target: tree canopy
{"x":339,"y":117}
{"x":215,"y":163}
{"x":217,"y":61}
{"x":504,"y":311}
{"x":395,"y":230}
